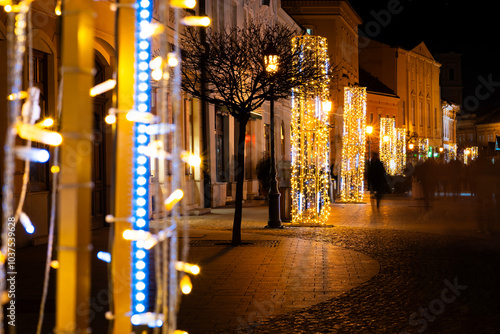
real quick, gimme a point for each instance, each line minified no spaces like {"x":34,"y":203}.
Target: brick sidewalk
{"x":267,"y":276}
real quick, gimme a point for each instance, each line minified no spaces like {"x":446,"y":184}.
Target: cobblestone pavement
{"x":446,"y":281}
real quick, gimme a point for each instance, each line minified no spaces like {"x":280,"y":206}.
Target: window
{"x":403,"y":113}
{"x":188,"y":131}
{"x":267,"y":142}
{"x":413,"y":112}
{"x":39,"y":173}
{"x":451,"y":74}
{"x":435,"y":118}
{"x":214,"y":14}
{"x":234,"y":13}
{"x":220,"y":156}
{"x":421,"y":113}
{"x":221,"y":15}
{"x":428,"y":115}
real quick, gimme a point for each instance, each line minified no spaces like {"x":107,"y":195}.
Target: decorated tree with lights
{"x":228,"y":69}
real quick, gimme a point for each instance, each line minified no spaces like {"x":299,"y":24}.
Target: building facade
{"x":338,"y":23}
{"x":222,"y":128}
{"x":414,"y":77}
{"x":46,"y":76}
{"x":381,"y":102}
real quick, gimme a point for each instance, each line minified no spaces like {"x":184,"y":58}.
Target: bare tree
{"x":226,"y":68}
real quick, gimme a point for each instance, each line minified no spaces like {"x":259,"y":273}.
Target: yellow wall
{"x":414,"y":77}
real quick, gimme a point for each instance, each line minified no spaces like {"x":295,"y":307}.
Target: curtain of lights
{"x":392,"y":146}
{"x":400,"y":150}
{"x":423,"y":149}
{"x":452,"y":154}
{"x":310,"y":145}
{"x":470,"y":154}
{"x":353,"y":145}
{"x":387,"y":144}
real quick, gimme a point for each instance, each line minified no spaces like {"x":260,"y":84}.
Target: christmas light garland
{"x":353,"y":145}
{"x":392,"y":146}
{"x":310,"y":139}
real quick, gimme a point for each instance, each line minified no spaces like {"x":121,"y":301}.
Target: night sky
{"x":471,"y":28}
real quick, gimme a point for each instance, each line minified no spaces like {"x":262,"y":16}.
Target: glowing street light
{"x":271,"y":61}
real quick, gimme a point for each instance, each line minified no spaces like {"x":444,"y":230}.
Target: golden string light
{"x":423,"y":149}
{"x":452,"y":154}
{"x":392,"y":146}
{"x":353,"y":145}
{"x":470,"y":154}
{"x":400,"y":150}
{"x":310,"y":145}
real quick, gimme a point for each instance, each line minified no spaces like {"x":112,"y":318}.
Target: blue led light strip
{"x":141,"y":165}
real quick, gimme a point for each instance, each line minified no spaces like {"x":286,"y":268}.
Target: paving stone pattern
{"x":241,"y":285}
{"x":446,"y":281}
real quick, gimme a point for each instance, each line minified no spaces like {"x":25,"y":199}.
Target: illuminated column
{"x":74,"y":242}
{"x":387,"y":144}
{"x":423,"y":149}
{"x":132,"y":169}
{"x":353,"y":145}
{"x":310,"y":141}
{"x":392,"y":146}
{"x":400,"y":150}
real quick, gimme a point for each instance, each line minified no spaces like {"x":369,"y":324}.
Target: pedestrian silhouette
{"x":485,"y":181}
{"x":377,"y":182}
{"x":426,"y":175}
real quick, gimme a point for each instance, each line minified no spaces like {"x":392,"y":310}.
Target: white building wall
{"x":222,"y":14}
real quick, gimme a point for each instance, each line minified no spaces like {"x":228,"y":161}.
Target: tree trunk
{"x":240,"y":175}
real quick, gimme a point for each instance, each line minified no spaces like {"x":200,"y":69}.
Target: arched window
{"x":39,"y":173}
{"x":451,"y":74}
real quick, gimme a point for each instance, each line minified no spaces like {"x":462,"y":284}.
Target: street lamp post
{"x":271,"y":60}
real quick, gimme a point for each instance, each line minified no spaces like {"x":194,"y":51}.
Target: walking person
{"x":484,"y":179}
{"x":377,"y":181}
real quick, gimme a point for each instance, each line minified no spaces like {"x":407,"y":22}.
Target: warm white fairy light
{"x":470,"y":154}
{"x":171,"y":200}
{"x":310,"y":139}
{"x":199,"y":21}
{"x":183,"y":3}
{"x":400,"y":150}
{"x":387,"y":144}
{"x":45,"y":123}
{"x":103,"y":87}
{"x":186,"y":285}
{"x":452,"y":154}
{"x":187,"y":267}
{"x":392,"y":146}
{"x":353,"y":145}
{"x":423,"y":149}
{"x":35,"y":133}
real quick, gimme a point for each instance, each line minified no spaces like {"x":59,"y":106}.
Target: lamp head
{"x":271,"y":59}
